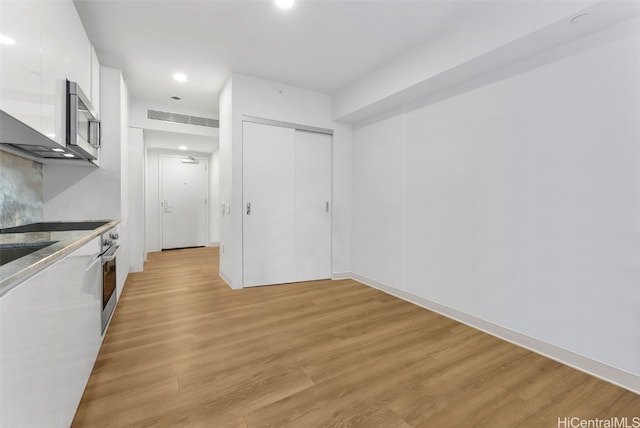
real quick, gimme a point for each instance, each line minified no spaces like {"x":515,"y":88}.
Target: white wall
{"x":341,"y":197}
{"x":249,"y":96}
{"x":517,"y":204}
{"x":377,"y":201}
{"x":152,"y":201}
{"x":225,"y":156}
{"x":137,"y":198}
{"x":112,"y":81}
{"x":214,"y":199}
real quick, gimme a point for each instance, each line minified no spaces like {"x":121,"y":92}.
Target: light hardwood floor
{"x":185,"y":350}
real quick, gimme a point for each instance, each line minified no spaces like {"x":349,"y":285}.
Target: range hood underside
{"x":18,"y":138}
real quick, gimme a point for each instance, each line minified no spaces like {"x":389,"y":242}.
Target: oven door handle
{"x":110,"y":254}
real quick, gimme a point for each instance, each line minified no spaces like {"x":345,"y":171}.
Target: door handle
{"x":248,"y":208}
{"x":327,"y":206}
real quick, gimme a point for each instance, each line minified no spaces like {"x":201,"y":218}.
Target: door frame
{"x":200,"y":158}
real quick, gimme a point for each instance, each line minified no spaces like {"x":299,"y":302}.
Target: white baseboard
{"x":590,"y":366}
{"x":214,"y":244}
{"x":226,"y":279}
{"x":342,"y":275}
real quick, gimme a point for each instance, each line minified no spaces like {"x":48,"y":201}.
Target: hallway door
{"x":183,"y":193}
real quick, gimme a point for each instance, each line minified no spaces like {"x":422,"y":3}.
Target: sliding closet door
{"x":313,"y":205}
{"x":269,"y":204}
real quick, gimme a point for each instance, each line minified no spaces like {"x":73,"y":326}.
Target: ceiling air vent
{"x":182,"y":118}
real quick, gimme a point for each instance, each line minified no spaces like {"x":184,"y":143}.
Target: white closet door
{"x":268,"y":177}
{"x":313,"y":206}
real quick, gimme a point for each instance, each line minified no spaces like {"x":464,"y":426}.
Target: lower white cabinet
{"x":49,"y":339}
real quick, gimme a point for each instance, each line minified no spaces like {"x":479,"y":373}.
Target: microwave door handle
{"x":72,"y":123}
{"x":94,"y":134}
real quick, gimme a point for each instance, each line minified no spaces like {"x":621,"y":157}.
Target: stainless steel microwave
{"x":83,"y":126}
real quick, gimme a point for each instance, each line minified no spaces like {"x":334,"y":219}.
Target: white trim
{"x":585,"y":364}
{"x":226,"y":279}
{"x":214,"y":244}
{"x":342,"y":275}
{"x":282,"y":124}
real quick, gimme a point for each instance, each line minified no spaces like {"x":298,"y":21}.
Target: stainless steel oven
{"x":109,"y":275}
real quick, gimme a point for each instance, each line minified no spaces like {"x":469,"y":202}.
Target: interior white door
{"x":268,"y":192}
{"x":183,"y":189}
{"x":313,"y":205}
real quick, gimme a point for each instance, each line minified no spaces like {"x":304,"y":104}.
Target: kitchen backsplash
{"x":21,"y":199}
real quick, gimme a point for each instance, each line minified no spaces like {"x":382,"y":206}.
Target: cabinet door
{"x":78,"y":50}
{"x":30,"y":354}
{"x":66,"y":54}
{"x":20,"y":69}
{"x":80,"y":277}
{"x":49,"y":338}
{"x":50,"y":46}
{"x":268,"y":204}
{"x":95,"y":81}
{"x":313,"y":206}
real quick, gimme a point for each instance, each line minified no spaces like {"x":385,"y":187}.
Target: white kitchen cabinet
{"x":80,"y":328}
{"x":94,"y":96}
{"x":49,"y":339}
{"x":66,"y":54}
{"x":30,"y":354}
{"x":20,"y":67}
{"x":50,"y":47}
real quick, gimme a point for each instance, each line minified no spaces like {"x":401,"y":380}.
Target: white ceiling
{"x":322,"y":45}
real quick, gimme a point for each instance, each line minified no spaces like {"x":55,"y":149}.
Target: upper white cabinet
{"x":20,"y":62}
{"x":95,"y":81}
{"x":50,"y":47}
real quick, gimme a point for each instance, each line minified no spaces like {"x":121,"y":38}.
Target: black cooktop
{"x":55,"y":226}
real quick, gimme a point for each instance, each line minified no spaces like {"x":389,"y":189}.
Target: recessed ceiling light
{"x":580,"y":18}
{"x":58,"y":150}
{"x":67,"y":155}
{"x":6,"y":40}
{"x":51,"y":135}
{"x":183,"y":147}
{"x":180,"y":77}
{"x":285,"y":4}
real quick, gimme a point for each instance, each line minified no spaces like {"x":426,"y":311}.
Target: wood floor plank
{"x":185,"y":350}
